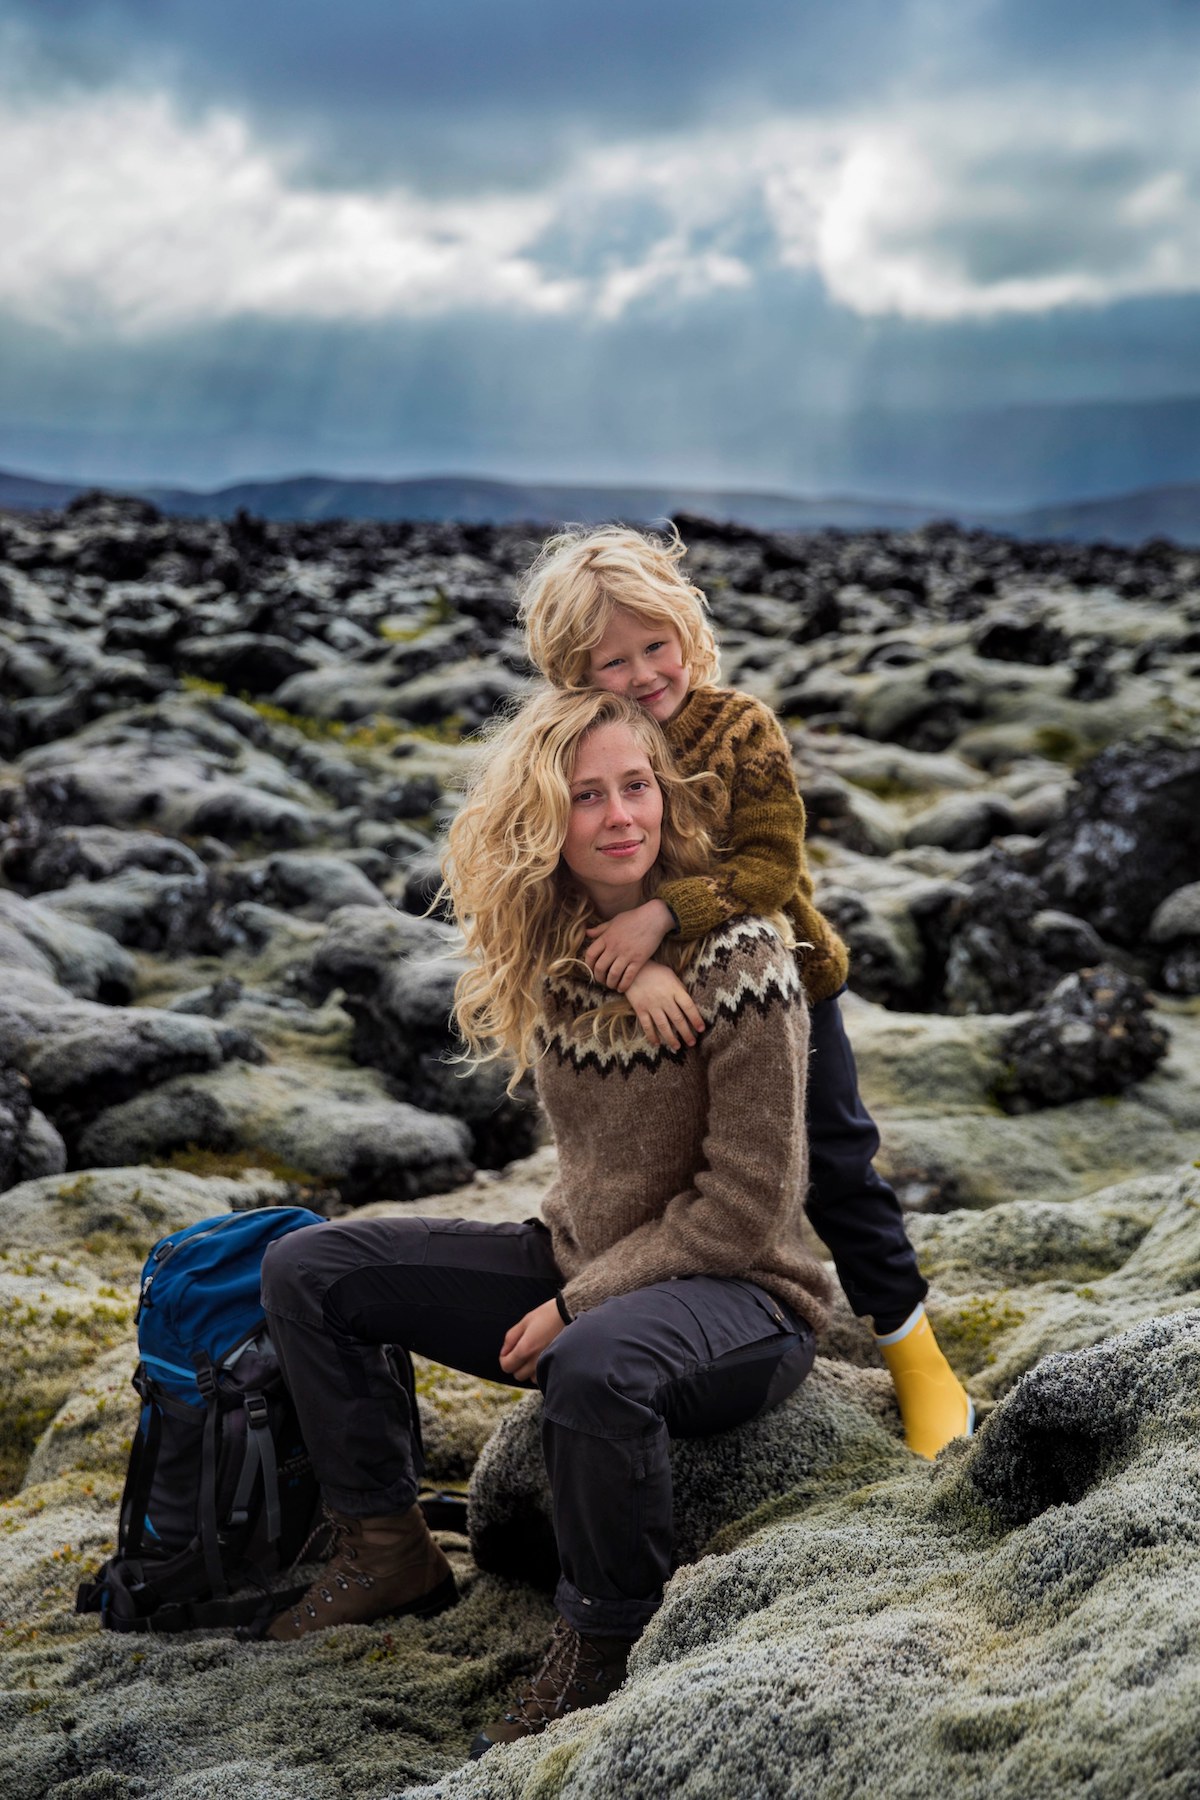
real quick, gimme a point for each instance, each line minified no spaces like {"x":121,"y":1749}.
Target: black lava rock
{"x":1094,"y":1034}
{"x":15,"y":1108}
{"x":1010,"y":638}
{"x":1130,"y":837}
{"x":994,"y":959}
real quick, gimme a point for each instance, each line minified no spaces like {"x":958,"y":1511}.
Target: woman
{"x":667,"y":1291}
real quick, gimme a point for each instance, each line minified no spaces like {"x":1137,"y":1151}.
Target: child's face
{"x":642,"y":661}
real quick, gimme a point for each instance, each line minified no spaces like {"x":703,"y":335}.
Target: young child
{"x":610,"y":608}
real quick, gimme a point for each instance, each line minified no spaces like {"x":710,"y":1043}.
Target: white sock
{"x":910,"y":1324}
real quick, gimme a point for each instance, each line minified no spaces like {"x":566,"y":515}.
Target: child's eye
{"x":613,"y":662}
{"x":658,"y":645}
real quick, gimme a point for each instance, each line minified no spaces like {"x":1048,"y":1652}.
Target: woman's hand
{"x":621,"y":946}
{"x":525,"y":1341}
{"x":666,"y":1011}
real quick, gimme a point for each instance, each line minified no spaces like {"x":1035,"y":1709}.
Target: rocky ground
{"x":230,"y":751}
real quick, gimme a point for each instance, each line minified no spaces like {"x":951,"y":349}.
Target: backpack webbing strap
{"x":258,"y":1417}
{"x":116,"y":1603}
{"x":209,"y":1528}
{"x":260,"y":1454}
{"x":254,"y":1611}
{"x":131,"y":1518}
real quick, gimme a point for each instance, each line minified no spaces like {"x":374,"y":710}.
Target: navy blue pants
{"x":680,"y":1359}
{"x":852,"y":1209}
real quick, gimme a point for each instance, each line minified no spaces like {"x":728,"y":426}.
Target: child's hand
{"x":666,"y":1011}
{"x":621,"y":946}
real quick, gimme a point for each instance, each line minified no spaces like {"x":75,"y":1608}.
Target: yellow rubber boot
{"x":934,"y":1404}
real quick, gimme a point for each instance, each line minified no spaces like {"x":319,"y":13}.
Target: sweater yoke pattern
{"x":726,"y":979}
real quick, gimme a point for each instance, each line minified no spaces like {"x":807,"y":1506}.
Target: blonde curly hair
{"x":520,"y":910}
{"x":580,"y":576}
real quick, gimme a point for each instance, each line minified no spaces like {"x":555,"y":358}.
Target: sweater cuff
{"x":577,"y":1295}
{"x":695,"y":905}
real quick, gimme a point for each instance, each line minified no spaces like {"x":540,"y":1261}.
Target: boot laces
{"x":570,"y":1661}
{"x":338,"y":1552}
{"x":325,"y":1524}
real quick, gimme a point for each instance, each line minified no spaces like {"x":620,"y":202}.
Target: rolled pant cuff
{"x":370,"y":1503}
{"x":596,"y":1617}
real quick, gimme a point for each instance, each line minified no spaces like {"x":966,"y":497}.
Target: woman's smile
{"x":614,"y":827}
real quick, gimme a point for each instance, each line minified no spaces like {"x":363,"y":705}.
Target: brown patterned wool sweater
{"x":692,"y":1162}
{"x":763,"y":868}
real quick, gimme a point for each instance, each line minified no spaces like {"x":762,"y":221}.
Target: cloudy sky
{"x":679,"y":241}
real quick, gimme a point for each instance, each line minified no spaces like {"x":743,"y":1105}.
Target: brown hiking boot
{"x":377,"y":1568}
{"x":577,"y":1671}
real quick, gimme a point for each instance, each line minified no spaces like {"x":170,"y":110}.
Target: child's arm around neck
{"x":737,"y":738}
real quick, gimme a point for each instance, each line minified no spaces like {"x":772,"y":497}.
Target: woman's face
{"x":615,"y":824}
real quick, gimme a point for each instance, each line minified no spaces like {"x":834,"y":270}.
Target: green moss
{"x":42,"y":1350}
{"x":80,"y":1192}
{"x":438,"y":612}
{"x":304,"y":723}
{"x":376,"y":733}
{"x":852,"y":1477}
{"x":1058,"y":744}
{"x":235,"y":1164}
{"x":967,"y":1331}
{"x":196,"y":684}
{"x":446,"y":1389}
{"x":885,"y":787}
{"x":446,"y":731}
{"x":547,"y":1778}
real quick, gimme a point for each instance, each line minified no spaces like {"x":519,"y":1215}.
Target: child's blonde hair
{"x":582,"y":574}
{"x":521,"y":911}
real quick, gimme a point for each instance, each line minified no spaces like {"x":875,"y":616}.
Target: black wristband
{"x":561,"y":1304}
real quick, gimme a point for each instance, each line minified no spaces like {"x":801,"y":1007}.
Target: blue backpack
{"x":220,"y":1493}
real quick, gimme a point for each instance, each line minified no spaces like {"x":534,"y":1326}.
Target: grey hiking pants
{"x":683,"y":1358}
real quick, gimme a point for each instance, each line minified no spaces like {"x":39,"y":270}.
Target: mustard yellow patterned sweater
{"x":763,"y":868}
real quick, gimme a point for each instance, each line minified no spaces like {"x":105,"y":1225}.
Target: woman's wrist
{"x":564,"y":1312}
{"x":665,"y":915}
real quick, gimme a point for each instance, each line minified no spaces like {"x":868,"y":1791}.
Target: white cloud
{"x":122,"y":212}
{"x":1015,"y":205}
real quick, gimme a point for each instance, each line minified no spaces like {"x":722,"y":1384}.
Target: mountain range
{"x":1126,"y":518}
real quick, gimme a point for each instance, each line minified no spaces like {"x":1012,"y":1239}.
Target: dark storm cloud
{"x":462,"y":94}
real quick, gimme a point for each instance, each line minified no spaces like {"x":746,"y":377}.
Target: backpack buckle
{"x":258,"y":1413}
{"x":206,"y":1376}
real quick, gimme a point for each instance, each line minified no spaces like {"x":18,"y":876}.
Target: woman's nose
{"x":617,"y":811}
